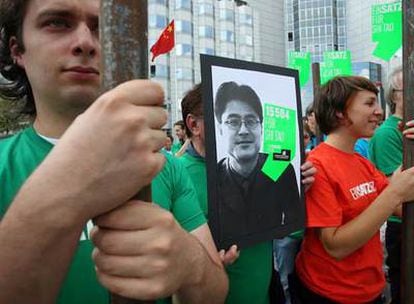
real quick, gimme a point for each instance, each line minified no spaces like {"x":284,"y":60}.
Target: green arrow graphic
{"x":279,"y":139}
{"x":300,"y":61}
{"x":387,"y":29}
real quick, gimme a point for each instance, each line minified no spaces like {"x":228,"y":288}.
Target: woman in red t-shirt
{"x":341,"y":256}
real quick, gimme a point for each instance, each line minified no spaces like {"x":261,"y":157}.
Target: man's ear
{"x":191,"y":123}
{"x":16,"y":52}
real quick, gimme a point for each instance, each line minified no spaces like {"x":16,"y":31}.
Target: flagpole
{"x":175,"y":71}
{"x":164,"y":44}
{"x":175,"y":83}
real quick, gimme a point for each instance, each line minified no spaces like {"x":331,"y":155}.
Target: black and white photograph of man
{"x":248,"y":202}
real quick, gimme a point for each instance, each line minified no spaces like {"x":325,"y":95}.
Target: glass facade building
{"x":315,"y":26}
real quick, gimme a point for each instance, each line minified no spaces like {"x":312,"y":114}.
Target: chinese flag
{"x":165,"y":43}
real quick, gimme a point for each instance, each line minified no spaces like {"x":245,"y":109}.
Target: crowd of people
{"x":70,"y":231}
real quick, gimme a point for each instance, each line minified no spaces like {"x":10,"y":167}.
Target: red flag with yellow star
{"x":165,"y":43}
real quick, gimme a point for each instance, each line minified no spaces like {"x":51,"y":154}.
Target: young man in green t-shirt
{"x":179,"y":131}
{"x":386,"y":152}
{"x":250,"y":270}
{"x":84,"y":158}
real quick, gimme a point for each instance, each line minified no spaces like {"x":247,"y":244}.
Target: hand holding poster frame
{"x":252,"y":114}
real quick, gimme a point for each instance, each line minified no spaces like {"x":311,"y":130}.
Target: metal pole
{"x":407,"y":269}
{"x":124,"y":46}
{"x":316,"y":76}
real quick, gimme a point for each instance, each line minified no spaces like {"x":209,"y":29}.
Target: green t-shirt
{"x":196,"y":167}
{"x":386,"y":149}
{"x":172,"y":190}
{"x":251,"y":274}
{"x":176,"y":147}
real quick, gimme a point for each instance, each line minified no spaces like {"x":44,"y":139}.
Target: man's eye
{"x":58,"y":23}
{"x":251,"y":122}
{"x":95,"y":27}
{"x":234,"y":122}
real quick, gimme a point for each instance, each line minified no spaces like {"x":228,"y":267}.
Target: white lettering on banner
{"x":337,"y":55}
{"x":300,"y":55}
{"x":389,"y":8}
{"x":362,"y":190}
{"x":277,"y":112}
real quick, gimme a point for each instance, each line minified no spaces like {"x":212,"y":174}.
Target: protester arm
{"x":209,"y":284}
{"x":82,"y":177}
{"x":341,"y":241}
{"x":37,"y":239}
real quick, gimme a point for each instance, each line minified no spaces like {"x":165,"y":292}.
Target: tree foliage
{"x":11,"y":120}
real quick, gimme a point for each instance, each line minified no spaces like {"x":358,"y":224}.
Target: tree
{"x":11,"y":120}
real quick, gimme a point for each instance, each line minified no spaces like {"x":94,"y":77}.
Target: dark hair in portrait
{"x":229,"y":91}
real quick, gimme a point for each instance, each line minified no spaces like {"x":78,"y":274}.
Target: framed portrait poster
{"x":253,"y":123}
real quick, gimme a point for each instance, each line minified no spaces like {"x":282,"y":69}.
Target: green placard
{"x":335,"y":63}
{"x":387,"y":29}
{"x":300,"y":61}
{"x":279,"y":139}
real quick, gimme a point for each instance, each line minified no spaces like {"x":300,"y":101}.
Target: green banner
{"x":300,"y":61}
{"x":335,"y":63}
{"x":386,"y":29}
{"x":279,"y":139}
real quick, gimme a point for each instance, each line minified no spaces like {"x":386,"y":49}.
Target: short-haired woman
{"x":341,"y":256}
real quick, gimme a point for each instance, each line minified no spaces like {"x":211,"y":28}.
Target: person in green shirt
{"x":250,"y":269}
{"x":180,"y":146}
{"x":172,"y":190}
{"x":168,"y":144}
{"x":386,"y":152}
{"x":84,"y":158}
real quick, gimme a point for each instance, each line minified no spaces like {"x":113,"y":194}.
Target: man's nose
{"x":86,"y":42}
{"x":243,"y":129}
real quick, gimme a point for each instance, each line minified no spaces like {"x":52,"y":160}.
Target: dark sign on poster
{"x":253,"y":151}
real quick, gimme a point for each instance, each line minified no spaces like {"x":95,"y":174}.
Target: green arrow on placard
{"x":387,"y":29}
{"x":300,"y":61}
{"x":279,"y":136}
{"x":335,"y":63}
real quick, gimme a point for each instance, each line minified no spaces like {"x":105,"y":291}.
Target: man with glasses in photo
{"x":250,"y":202}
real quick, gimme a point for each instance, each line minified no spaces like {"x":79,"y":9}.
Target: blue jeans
{"x":284,"y":254}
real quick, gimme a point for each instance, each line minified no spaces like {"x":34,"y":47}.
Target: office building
{"x":315,"y":26}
